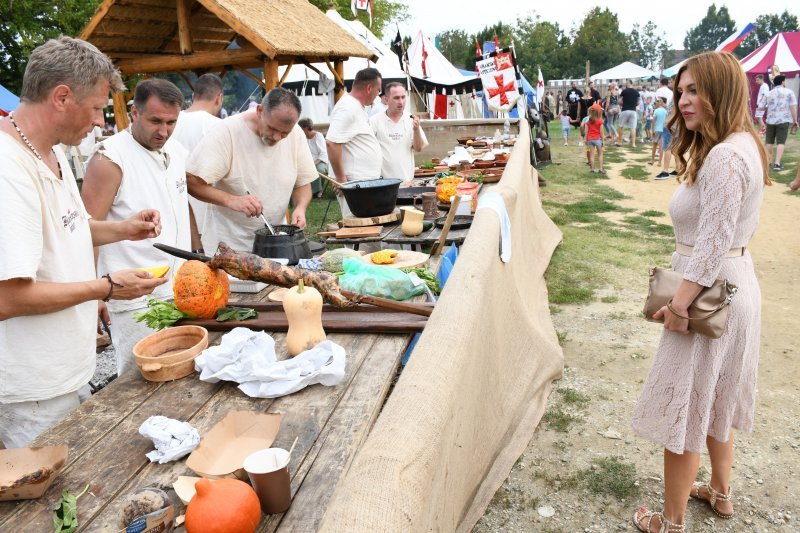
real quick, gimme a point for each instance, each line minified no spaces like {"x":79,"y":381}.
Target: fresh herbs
{"x":235,"y":313}
{"x":159,"y":314}
{"x":476,"y":177}
{"x":426,"y":275}
{"x":426,"y":164}
{"x":65,"y":516}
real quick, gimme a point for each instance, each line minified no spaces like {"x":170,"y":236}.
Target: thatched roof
{"x":161,"y":35}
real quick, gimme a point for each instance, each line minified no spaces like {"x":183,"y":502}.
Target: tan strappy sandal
{"x":713,"y":497}
{"x":666,"y":525}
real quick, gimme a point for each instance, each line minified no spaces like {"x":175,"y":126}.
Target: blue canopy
{"x":8,"y":100}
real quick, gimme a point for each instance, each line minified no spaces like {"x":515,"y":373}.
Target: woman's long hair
{"x":724,"y":94}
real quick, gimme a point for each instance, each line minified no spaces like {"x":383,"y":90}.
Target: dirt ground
{"x":608,"y":350}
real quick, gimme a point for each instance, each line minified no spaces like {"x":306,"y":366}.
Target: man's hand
{"x":299,"y":218}
{"x":338,"y":190}
{"x":145,"y":224}
{"x":131,"y":284}
{"x":415,"y":121}
{"x":249,"y":205}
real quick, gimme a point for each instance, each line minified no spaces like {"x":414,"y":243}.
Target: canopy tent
{"x":428,"y":66}
{"x":8,"y":101}
{"x":671,"y":71}
{"x":782,"y":50}
{"x":626,"y":70}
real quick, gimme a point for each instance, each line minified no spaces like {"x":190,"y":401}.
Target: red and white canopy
{"x":782,"y":50}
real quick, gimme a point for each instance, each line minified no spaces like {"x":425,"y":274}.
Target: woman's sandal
{"x":666,"y":525}
{"x":713,"y":497}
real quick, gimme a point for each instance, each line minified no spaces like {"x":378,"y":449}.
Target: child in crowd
{"x":659,"y":119}
{"x":564,"y":118}
{"x":594,"y":138}
{"x":648,"y":119}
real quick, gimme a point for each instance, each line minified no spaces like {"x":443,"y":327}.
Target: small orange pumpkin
{"x":223,"y":506}
{"x":200,"y":291}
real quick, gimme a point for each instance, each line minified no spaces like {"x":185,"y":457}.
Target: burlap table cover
{"x":475,"y":387}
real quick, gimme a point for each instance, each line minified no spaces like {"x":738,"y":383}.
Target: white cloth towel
{"x":172,"y":438}
{"x":495,"y":202}
{"x":248,"y":358}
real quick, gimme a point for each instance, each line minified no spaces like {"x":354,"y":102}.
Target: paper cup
{"x":268,"y":471}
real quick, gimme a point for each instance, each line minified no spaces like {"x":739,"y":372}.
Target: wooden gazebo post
{"x":120,"y":110}
{"x":270,"y":74}
{"x":338,"y":68}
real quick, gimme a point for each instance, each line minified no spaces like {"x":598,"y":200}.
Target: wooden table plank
{"x":336,"y":446}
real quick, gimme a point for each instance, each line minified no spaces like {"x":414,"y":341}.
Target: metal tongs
{"x":266,"y":222}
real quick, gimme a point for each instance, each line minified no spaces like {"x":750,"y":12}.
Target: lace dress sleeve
{"x":723,"y":184}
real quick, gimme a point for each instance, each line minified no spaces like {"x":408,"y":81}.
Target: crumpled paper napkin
{"x":248,"y":357}
{"x":172,"y":438}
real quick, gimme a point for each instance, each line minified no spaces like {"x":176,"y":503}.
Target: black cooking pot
{"x":371,"y":198}
{"x":292,"y":246}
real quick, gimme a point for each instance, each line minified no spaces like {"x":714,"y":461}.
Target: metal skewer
{"x":266,"y":222}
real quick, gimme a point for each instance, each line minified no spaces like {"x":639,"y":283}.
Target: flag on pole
{"x":477,"y":48}
{"x":540,"y":89}
{"x":496,"y":42}
{"x":730,"y":44}
{"x":361,"y":5}
{"x":397,"y":47}
{"x":424,"y":60}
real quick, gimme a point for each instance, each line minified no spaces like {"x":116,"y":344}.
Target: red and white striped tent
{"x":782,"y":50}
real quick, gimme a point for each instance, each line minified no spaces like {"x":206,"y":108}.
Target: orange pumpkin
{"x":223,"y":506}
{"x":200,"y":291}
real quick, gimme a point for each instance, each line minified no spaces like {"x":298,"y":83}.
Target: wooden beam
{"x":120,"y":110}
{"x":338,"y":74}
{"x":197,"y":60}
{"x":187,"y":80}
{"x":184,"y":9}
{"x":283,"y":78}
{"x":241,"y":28}
{"x":270,"y":74}
{"x":251,"y":76}
{"x":96,"y":19}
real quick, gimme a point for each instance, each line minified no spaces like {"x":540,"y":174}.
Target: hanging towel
{"x":493,"y":201}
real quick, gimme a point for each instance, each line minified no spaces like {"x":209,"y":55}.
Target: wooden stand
{"x":372,"y":221}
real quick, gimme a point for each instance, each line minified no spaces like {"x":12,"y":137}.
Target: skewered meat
{"x":252,"y":267}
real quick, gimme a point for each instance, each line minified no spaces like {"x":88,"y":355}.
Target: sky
{"x":674,"y":18}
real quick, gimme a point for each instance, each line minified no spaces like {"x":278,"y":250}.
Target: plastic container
{"x":498,"y":139}
{"x":506,"y":129}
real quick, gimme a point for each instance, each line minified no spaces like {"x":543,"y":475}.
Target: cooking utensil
{"x":437,"y":247}
{"x":459,"y":221}
{"x":290,"y":242}
{"x":266,"y":222}
{"x":408,"y":307}
{"x":369,"y":198}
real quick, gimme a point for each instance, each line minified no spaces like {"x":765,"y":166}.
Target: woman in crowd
{"x":699,"y":388}
{"x":612,"y":110}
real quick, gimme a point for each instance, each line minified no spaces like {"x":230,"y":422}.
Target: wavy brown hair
{"x":724,"y":94}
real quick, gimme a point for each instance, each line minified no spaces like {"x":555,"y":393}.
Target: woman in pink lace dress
{"x":699,"y":389}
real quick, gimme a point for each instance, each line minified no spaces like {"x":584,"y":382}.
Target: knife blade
{"x":183,"y":254}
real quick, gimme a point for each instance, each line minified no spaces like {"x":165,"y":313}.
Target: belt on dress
{"x":685,"y":249}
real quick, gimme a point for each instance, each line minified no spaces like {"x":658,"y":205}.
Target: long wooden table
{"x":107,"y":453}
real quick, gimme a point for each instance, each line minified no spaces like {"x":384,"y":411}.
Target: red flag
{"x":478,"y":52}
{"x":496,"y":43}
{"x":424,"y":58}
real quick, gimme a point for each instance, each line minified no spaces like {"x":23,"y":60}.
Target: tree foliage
{"x":26,"y":24}
{"x":541,"y":44}
{"x":600,"y":41}
{"x":714,"y":28}
{"x":649,"y":44}
{"x":454,"y":45}
{"x":503,"y":32}
{"x":766,"y":27}
{"x":385,"y":12}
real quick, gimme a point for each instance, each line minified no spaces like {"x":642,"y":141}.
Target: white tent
{"x":626,"y":70}
{"x":438,"y":70}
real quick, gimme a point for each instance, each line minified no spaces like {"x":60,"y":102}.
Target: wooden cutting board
{"x":353,"y":233}
{"x":404,"y":259}
{"x":372,"y":221}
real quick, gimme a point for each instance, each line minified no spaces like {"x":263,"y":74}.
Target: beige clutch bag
{"x":708,"y":314}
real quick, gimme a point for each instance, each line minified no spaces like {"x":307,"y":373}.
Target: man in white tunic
{"x":193,"y":124}
{"x":353,"y":150}
{"x":251,"y":163}
{"x":399,"y":134}
{"x":48,"y":288}
{"x":135,"y":168}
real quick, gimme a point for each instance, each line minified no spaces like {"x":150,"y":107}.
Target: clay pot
{"x":412,"y":221}
{"x":170,"y":353}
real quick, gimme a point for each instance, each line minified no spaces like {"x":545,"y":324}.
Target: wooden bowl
{"x":483,"y":164}
{"x":170,"y":353}
{"x":27,"y":473}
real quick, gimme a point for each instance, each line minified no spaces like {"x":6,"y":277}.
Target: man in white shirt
{"x":251,"y":163}
{"x":135,"y":168}
{"x":664,"y":91}
{"x":399,"y":134}
{"x":353,"y":150}
{"x":48,"y":285}
{"x":781,"y":114}
{"x":761,"y":102}
{"x":319,"y":152}
{"x":193,"y":124}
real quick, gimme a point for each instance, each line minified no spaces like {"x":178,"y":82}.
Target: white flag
{"x":540,"y":89}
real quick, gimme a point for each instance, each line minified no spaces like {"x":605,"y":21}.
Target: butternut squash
{"x":303,"y":307}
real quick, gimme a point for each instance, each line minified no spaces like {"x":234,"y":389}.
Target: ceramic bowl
{"x":170,"y":353}
{"x":27,"y":473}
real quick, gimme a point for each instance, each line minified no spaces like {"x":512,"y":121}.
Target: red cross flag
{"x":499,"y":84}
{"x":540,"y":88}
{"x":361,"y":5}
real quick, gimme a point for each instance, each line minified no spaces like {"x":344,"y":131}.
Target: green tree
{"x":541,"y":44}
{"x":455,"y":45}
{"x":599,"y":40}
{"x":766,"y":27}
{"x":25,"y":24}
{"x":649,"y":44}
{"x":385,"y":12}
{"x":715,"y":27}
{"x":504,"y":33}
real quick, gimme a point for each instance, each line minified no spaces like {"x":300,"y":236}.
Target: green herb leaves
{"x":159,"y":314}
{"x":235,"y":313}
{"x":65,"y":516}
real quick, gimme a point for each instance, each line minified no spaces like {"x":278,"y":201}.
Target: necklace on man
{"x":29,"y":144}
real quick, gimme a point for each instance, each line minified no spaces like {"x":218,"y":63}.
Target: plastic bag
{"x":381,"y":281}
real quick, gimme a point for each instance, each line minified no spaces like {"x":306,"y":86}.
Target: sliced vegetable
{"x":159,"y":314}
{"x":65,"y":516}
{"x":157,"y":272}
{"x":235,"y":313}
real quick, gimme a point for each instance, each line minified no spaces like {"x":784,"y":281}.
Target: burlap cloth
{"x":475,"y":387}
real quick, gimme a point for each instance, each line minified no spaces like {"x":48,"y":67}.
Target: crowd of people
{"x":186,"y":178}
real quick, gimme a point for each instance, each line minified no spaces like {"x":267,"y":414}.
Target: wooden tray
{"x":404,"y":259}
{"x":372,"y":221}
{"x":353,"y":233}
{"x":358,"y":319}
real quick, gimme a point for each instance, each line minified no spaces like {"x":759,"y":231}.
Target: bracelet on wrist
{"x":198,"y":251}
{"x":111,"y":285}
